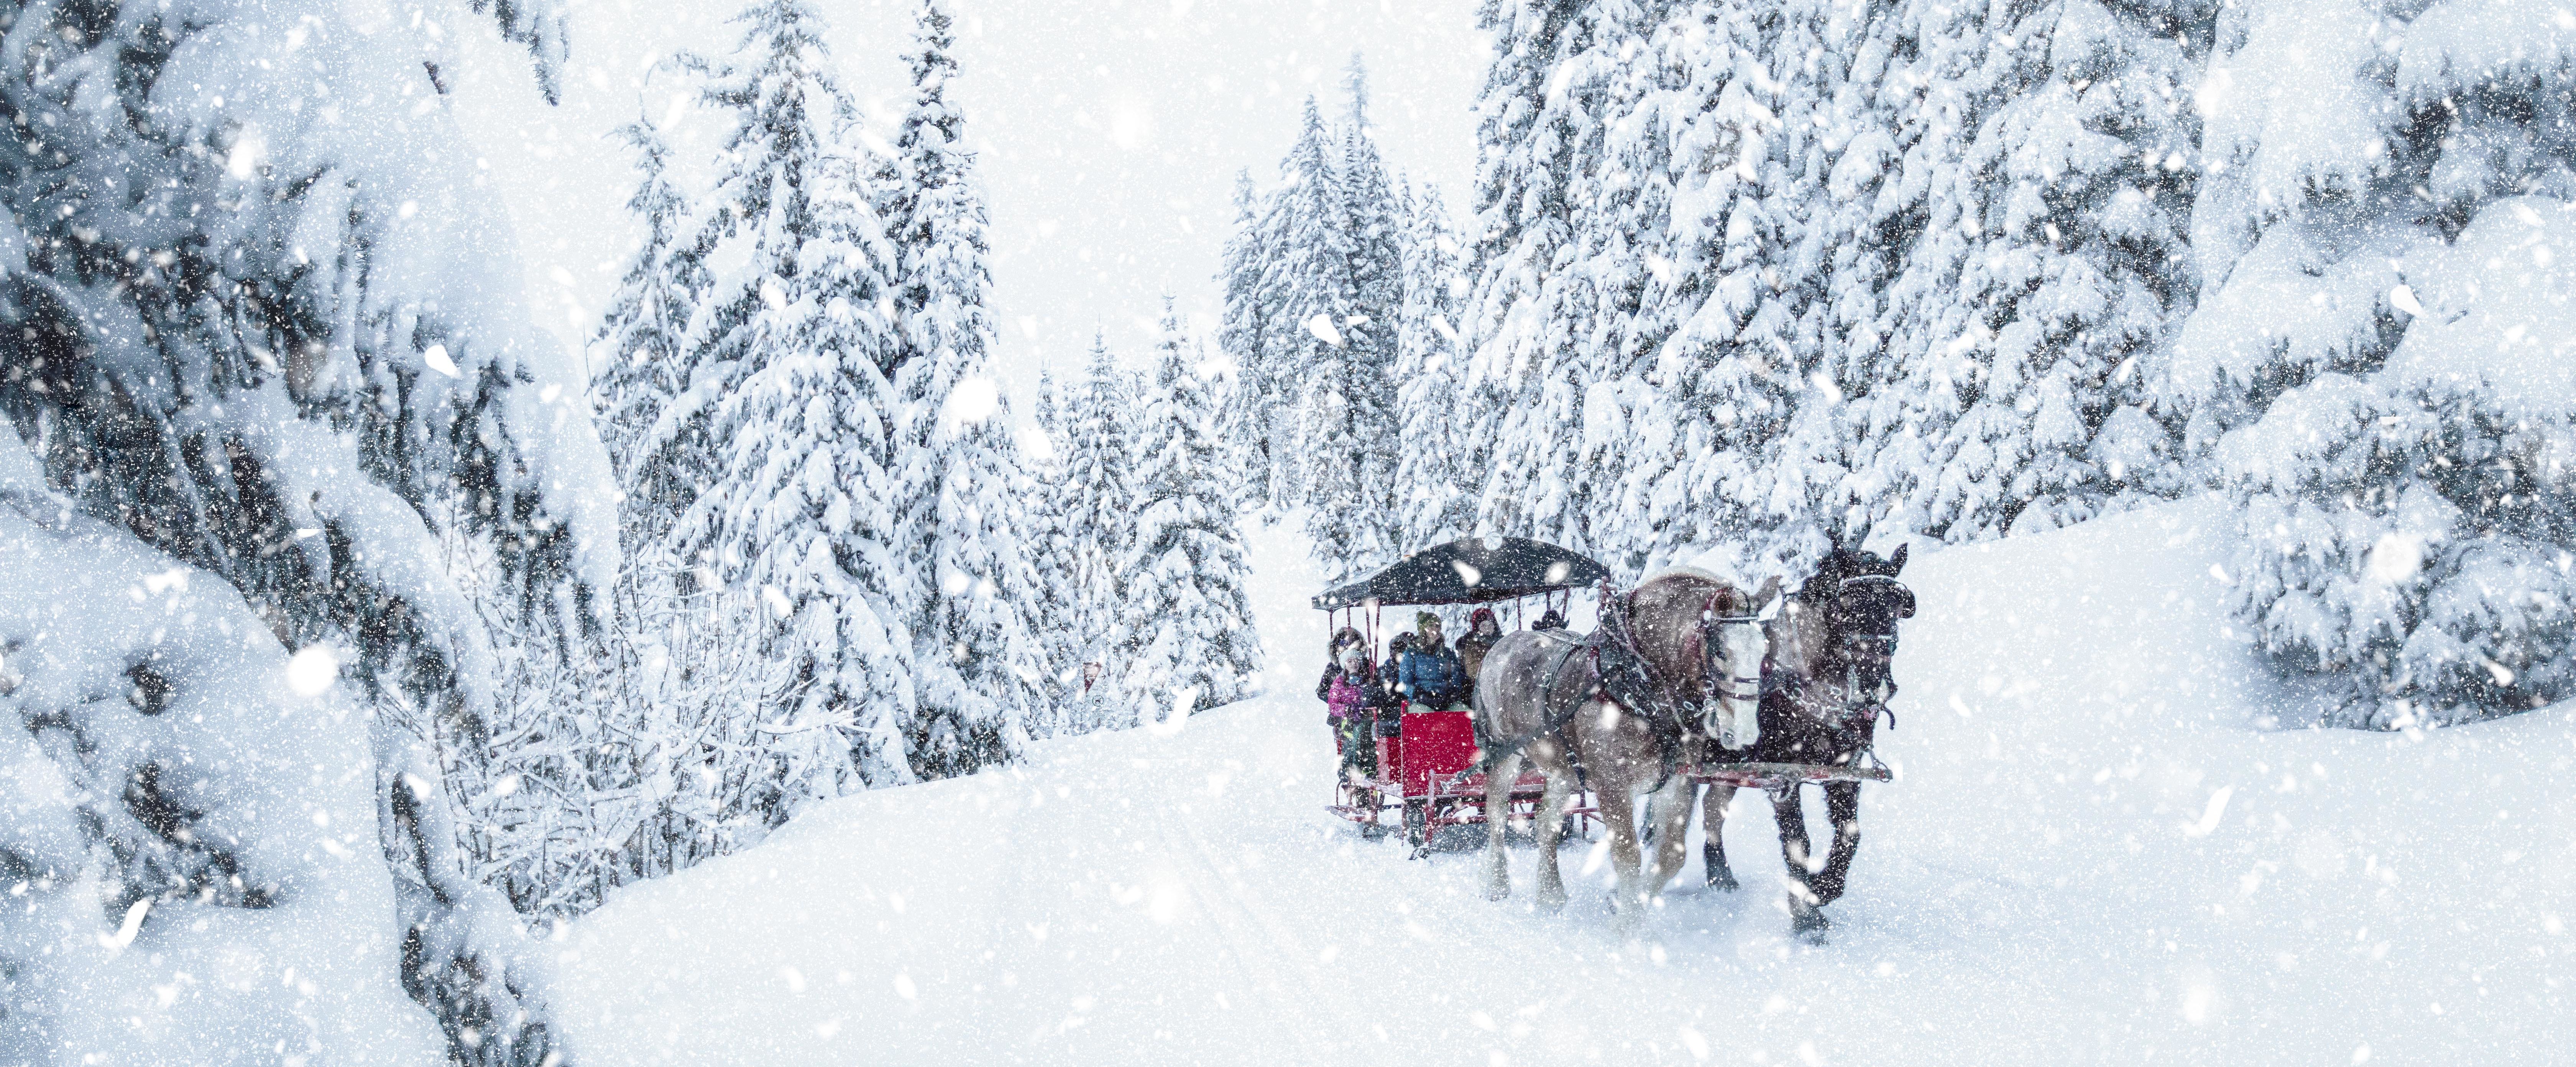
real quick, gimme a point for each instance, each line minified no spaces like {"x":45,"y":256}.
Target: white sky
{"x":1109,"y":133}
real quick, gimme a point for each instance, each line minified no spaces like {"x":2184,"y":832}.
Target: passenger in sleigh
{"x":1482,"y":631}
{"x":1351,"y":692}
{"x":1429,"y":675}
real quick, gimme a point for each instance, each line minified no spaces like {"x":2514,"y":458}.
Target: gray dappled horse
{"x":1543,"y":700}
{"x":1832,"y":646}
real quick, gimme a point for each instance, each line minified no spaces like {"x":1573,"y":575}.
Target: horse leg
{"x":1842,"y":804}
{"x":1551,"y":832}
{"x":1498,"y":806}
{"x":1805,"y":921}
{"x":1619,"y":810}
{"x":1672,"y":808}
{"x":1713,"y":850}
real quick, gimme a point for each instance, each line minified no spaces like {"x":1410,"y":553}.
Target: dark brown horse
{"x":1829,"y":680}
{"x":1684,"y":650}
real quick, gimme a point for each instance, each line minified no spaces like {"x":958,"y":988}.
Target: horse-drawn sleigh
{"x":1688,"y":681}
{"x":1426,"y":759}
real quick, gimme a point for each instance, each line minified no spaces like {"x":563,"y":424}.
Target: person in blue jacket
{"x":1429,"y":674}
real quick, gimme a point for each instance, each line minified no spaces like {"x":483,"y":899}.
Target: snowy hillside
{"x":2090,"y":855}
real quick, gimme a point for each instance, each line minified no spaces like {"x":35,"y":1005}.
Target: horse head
{"x":1732,"y":634}
{"x":1863,"y":603}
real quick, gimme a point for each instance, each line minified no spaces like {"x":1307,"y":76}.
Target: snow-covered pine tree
{"x":961,"y":494}
{"x":2383,"y":243}
{"x":1726,"y":310}
{"x":788,"y":378}
{"x":187,"y":809}
{"x":1351,"y":436}
{"x":1433,"y":501}
{"x":1306,"y":285}
{"x":1534,"y":335}
{"x":1246,"y":334}
{"x":1187,"y":629}
{"x":1099,"y":515}
{"x":2029,"y":308}
{"x":1048,"y":413}
{"x":641,"y":348}
{"x":287,"y":355}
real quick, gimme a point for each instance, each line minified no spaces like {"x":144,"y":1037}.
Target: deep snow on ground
{"x":2090,"y":854}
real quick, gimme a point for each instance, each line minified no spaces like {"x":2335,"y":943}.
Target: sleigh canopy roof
{"x":1473,"y":570}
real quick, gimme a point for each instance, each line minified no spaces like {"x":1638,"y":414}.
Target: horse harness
{"x":1621,"y":675}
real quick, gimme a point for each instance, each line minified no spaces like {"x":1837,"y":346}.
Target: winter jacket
{"x":1345,"y":696}
{"x":1431,"y":676}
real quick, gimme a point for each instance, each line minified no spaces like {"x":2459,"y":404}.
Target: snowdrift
{"x":2092,"y":853}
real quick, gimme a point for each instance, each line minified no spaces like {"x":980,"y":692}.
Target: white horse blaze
{"x":1739,"y":721}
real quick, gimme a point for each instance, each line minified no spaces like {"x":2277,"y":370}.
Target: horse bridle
{"x":1857,"y":642}
{"x":1723,"y":683}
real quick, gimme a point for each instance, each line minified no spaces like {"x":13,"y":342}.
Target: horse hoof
{"x":1552,"y":901}
{"x":1420,"y":852}
{"x":1809,"y":926}
{"x":1724,"y":881}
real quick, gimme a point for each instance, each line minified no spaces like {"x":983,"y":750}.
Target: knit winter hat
{"x":1425,"y":618}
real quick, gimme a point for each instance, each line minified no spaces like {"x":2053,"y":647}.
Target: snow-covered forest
{"x":366,"y":640}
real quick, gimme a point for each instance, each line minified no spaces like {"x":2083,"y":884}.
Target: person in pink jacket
{"x":1351,"y":692}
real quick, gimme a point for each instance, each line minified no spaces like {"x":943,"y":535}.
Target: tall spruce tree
{"x":960,"y":492}
{"x":1247,"y":334}
{"x":1540,"y":171}
{"x":1306,"y":285}
{"x":1186,"y":629}
{"x":1055,"y":605}
{"x":1099,"y":515}
{"x":279,"y":359}
{"x":642,"y":348}
{"x":2027,"y":315}
{"x":789,"y":381}
{"x":1434,"y":501}
{"x":1350,"y":435}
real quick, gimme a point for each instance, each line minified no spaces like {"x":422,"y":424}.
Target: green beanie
{"x":1425,"y":618}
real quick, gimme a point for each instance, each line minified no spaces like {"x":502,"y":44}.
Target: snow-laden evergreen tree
{"x":2050,"y":179}
{"x":1435,"y":502}
{"x":965,"y":571}
{"x":2376,"y":358}
{"x":267,"y":326}
{"x":1246,"y":334}
{"x":1186,"y":631}
{"x":1729,"y":329}
{"x":1098,"y":509}
{"x":1048,"y":416}
{"x":642,"y":347}
{"x":1546,"y":266}
{"x":1307,"y":291}
{"x":1349,"y":433}
{"x":164,"y":815}
{"x":788,"y":380}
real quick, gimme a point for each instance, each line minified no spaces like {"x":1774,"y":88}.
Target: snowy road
{"x":2088,"y":857}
